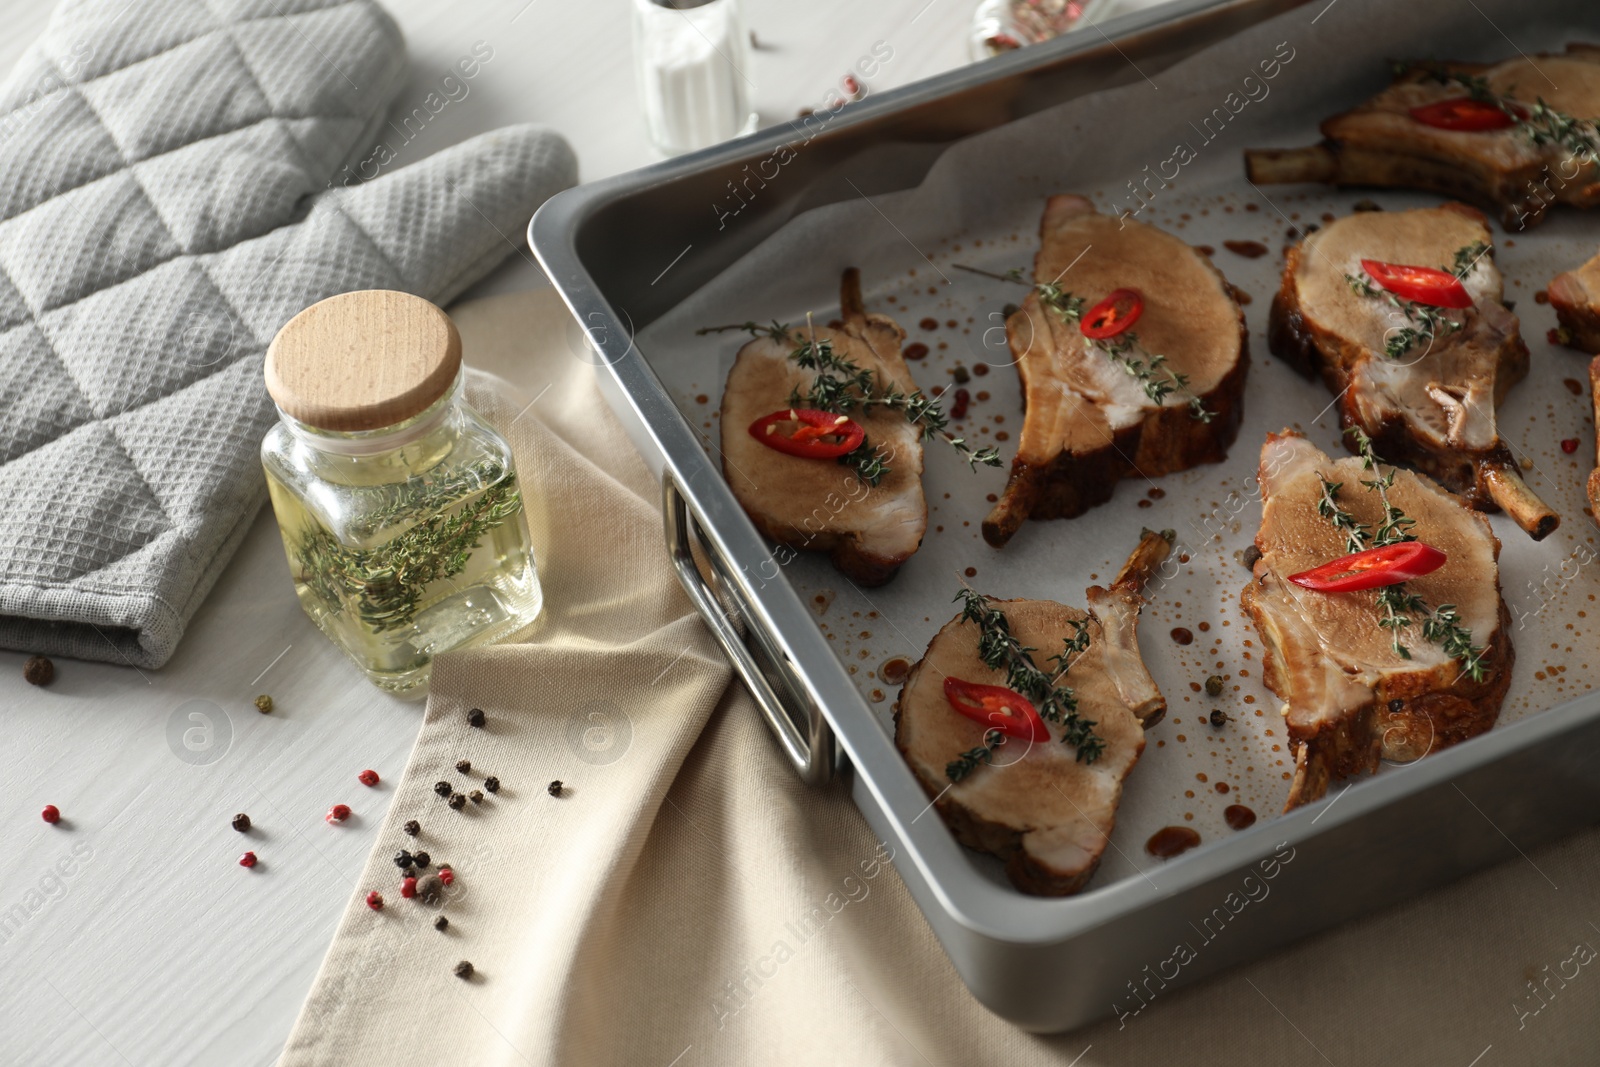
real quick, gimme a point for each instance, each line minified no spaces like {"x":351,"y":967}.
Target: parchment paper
{"x":981,"y":204}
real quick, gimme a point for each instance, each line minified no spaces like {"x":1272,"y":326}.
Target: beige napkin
{"x":687,"y":901}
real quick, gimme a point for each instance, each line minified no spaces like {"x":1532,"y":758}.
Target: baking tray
{"x":635,"y":258}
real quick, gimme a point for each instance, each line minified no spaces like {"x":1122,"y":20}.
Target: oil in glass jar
{"x":400,"y":509}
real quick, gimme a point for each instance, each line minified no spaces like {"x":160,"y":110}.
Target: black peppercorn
{"x":241,"y":823}
{"x":444,"y":789}
{"x":475,"y":718}
{"x":463,"y":766}
{"x":403,"y":859}
{"x":1249,"y":557}
{"x":441,"y":923}
{"x":475,"y":796}
{"x":491,"y":784}
{"x":430,"y":889}
{"x":38,"y":671}
{"x":422,"y":860}
{"x":1214,"y":686}
{"x":458,"y":801}
{"x":463,"y":969}
{"x":413,"y":828}
{"x":1218,"y":717}
{"x":554,"y":788}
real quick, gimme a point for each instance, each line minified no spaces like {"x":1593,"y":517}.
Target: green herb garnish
{"x":386,"y":583}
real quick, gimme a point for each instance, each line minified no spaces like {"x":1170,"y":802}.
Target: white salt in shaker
{"x":692,"y":62}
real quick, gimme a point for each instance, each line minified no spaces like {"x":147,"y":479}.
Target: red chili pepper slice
{"x":1119,"y":310}
{"x":1422,"y":285}
{"x":996,"y":707}
{"x":1464,"y":114}
{"x":820,"y":435}
{"x":1375,"y":567}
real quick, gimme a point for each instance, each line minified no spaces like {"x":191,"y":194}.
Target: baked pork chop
{"x":1162,"y":394}
{"x":815,"y":503}
{"x":1513,"y":137}
{"x":1594,"y":475}
{"x":1357,"y":685}
{"x":1576,"y":297}
{"x":1044,"y":803}
{"x":1401,"y":314}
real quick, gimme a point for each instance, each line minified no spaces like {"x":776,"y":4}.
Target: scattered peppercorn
{"x":1218,"y":717}
{"x":241,"y":823}
{"x":1570,"y":445}
{"x":51,"y":814}
{"x":38,"y":671}
{"x":458,"y":801}
{"x":429,"y":889}
{"x":444,"y":789}
{"x":961,"y":375}
{"x":1214,"y":686}
{"x":554,"y":788}
{"x":368,"y":777}
{"x":375,"y":900}
{"x":463,"y":970}
{"x":1009,"y":310}
{"x":447,"y":875}
{"x":475,"y":718}
{"x":247,"y":860}
{"x":338,"y":814}
{"x":1249,"y":557}
{"x":403,"y":859}
{"x":463,"y":766}
{"x":1559,"y":335}
{"x":412,"y":828}
{"x":441,"y":923}
{"x":263,"y":703}
{"x":408,"y":887}
{"x":476,"y":796}
{"x":422,"y":860}
{"x":491,"y":784}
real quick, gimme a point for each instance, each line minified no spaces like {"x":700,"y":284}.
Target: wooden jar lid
{"x":363,"y":360}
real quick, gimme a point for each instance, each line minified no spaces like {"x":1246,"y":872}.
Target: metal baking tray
{"x":627,"y":251}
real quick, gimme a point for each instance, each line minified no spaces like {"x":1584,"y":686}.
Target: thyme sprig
{"x":385,"y":584}
{"x":1355,"y":532}
{"x":1540,"y":123}
{"x":1427,"y":322}
{"x":999,"y":648}
{"x":968,"y":761}
{"x":1401,"y":608}
{"x":841,"y":386}
{"x":1152,"y":373}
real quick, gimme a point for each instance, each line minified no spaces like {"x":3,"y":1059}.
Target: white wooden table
{"x":128,"y":933}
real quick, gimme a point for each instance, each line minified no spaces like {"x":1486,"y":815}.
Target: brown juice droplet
{"x":1541,"y":297}
{"x":1238,"y":816}
{"x":702,"y":399}
{"x":1205,"y":250}
{"x":929,"y":324}
{"x":894,"y":671}
{"x":1574,"y":386}
{"x":1222,"y":787}
{"x":1169,"y":841}
{"x":1182,"y":635}
{"x":1247,"y":249}
{"x":971,"y":572}
{"x":980,"y":369}
{"x":915,"y":351}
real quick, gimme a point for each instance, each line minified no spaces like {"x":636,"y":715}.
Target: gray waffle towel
{"x":177,"y":179}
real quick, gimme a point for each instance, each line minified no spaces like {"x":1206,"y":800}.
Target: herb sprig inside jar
{"x":399,"y":506}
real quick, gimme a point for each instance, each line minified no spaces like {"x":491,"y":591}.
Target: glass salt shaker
{"x":399,"y":505}
{"x":692,"y":63}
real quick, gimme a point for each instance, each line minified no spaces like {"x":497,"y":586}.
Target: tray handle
{"x":806,"y":737}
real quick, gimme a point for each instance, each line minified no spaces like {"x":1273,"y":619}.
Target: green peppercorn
{"x":263,"y":703}
{"x":1214,"y":686}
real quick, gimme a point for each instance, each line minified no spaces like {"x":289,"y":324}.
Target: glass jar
{"x":399,"y":505}
{"x":692,"y":63}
